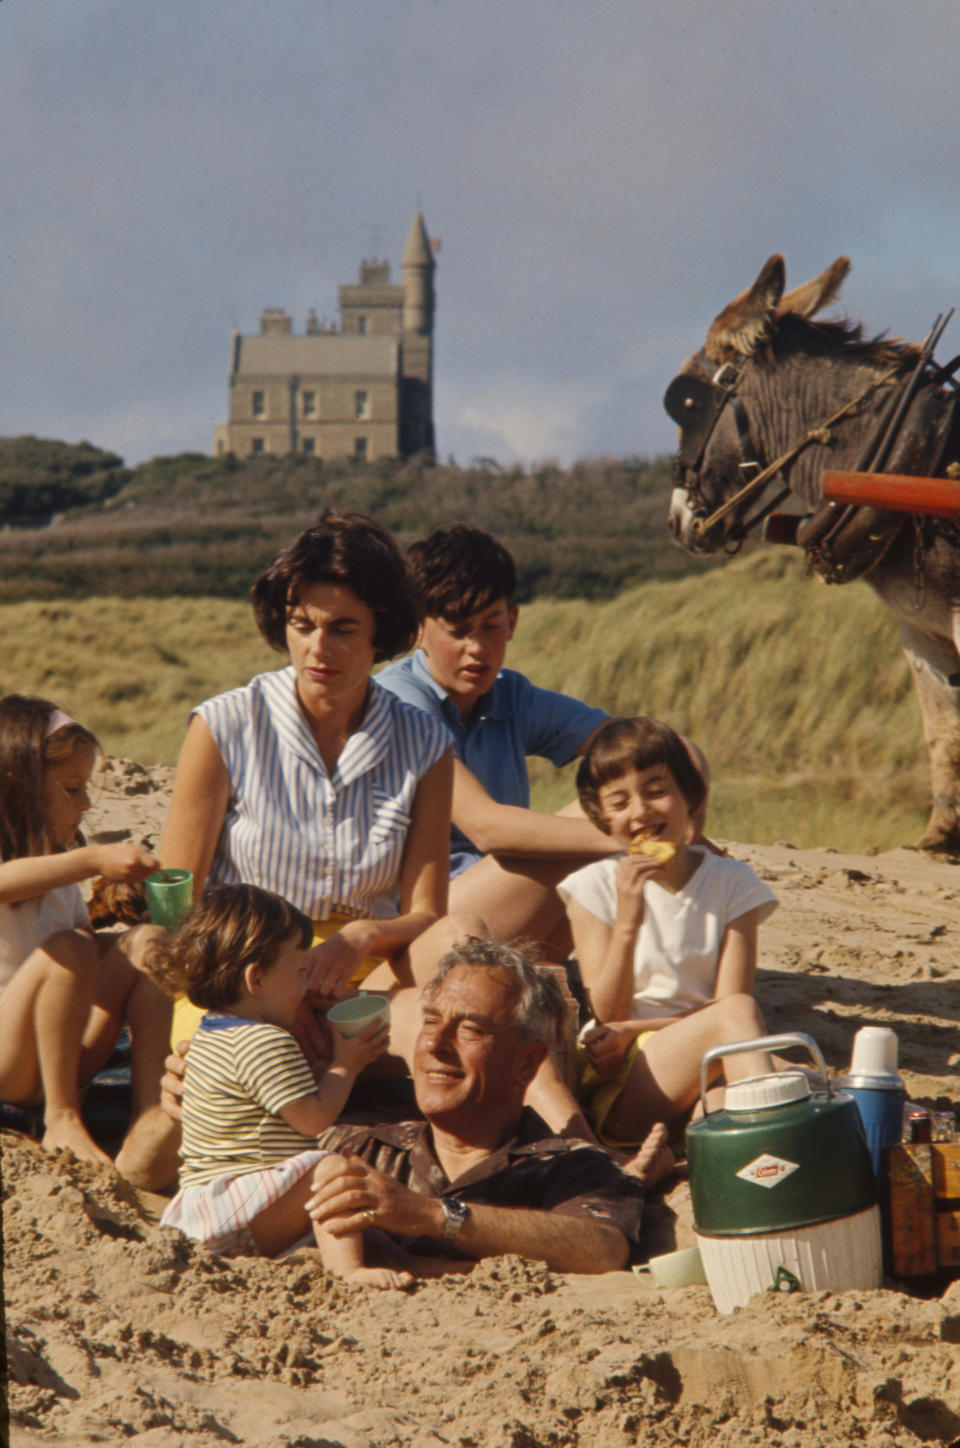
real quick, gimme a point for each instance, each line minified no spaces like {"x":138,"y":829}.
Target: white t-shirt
{"x":25,"y":926}
{"x":678,"y":944}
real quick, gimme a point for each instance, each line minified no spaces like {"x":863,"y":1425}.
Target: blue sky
{"x":604,"y":175}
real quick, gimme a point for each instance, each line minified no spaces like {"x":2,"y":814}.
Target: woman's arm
{"x":424,"y":873}
{"x":737,"y":967}
{"x":201,"y":792}
{"x":34,"y":875}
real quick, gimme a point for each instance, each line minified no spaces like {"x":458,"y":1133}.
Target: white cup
{"x":874,"y":1052}
{"x":358,"y":1012}
{"x":678,"y":1269}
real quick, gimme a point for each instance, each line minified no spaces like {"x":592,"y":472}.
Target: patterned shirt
{"x":512,"y":720}
{"x":239,"y":1076}
{"x":322,"y":841}
{"x":533,"y":1170}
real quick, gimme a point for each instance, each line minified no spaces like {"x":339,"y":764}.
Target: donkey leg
{"x":934,"y":663}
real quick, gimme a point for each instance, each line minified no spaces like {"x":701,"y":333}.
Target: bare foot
{"x":655,"y":1160}
{"x":383,"y":1277}
{"x":66,"y":1129}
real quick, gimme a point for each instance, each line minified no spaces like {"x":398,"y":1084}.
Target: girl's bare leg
{"x":665,"y":1080}
{"x":45,"y":1020}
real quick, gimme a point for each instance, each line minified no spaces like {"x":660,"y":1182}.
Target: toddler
{"x":251,"y":1108}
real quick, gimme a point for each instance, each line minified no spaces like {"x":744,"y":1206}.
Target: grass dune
{"x":799,"y":694}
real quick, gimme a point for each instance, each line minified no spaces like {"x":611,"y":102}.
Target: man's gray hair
{"x":538,"y":1005}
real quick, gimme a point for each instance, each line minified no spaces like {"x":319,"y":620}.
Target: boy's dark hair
{"x":458,"y":570}
{"x":637,"y":743}
{"x":344,"y":548}
{"x":231,"y":927}
{"x":26,"y":748}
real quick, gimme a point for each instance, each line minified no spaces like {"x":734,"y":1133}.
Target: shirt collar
{"x":491,"y":705}
{"x":366,"y":746}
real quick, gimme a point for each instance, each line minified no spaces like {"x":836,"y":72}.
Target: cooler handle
{"x":762,"y":1043}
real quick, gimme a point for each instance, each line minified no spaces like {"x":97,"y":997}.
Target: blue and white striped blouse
{"x":321,"y":841}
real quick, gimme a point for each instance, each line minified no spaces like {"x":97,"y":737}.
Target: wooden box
{"x":923,"y":1207}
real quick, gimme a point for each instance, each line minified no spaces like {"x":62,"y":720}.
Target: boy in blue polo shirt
{"x":505,"y":858}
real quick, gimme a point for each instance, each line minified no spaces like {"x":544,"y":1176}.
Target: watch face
{"x":456,"y":1213}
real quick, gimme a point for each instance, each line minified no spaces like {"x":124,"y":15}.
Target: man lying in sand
{"x":481,"y":1175}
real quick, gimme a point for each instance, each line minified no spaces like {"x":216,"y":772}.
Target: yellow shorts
{"x":187,"y":1016}
{"x":597,"y":1095}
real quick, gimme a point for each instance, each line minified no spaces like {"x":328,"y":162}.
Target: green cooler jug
{"x":784,"y":1196}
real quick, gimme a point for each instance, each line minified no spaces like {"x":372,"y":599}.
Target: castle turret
{"x":417,"y":265}
{"x":417,"y":341}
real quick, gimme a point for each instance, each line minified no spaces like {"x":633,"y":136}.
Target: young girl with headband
{"x":65,"y":991}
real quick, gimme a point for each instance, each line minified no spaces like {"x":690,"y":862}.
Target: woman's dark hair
{"x":27,"y":746}
{"x":231,"y":927}
{"x":344,"y":548}
{"x":458,"y":570}
{"x":638,"y":743}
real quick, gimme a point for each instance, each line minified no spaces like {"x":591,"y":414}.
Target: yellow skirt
{"x":597,"y":1094}
{"x":187,"y":1016}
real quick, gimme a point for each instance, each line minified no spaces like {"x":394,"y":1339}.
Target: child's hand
{"x":633,"y":871}
{"x":606,"y":1047}
{"x":355,"y":1052}
{"x":127,"y":862}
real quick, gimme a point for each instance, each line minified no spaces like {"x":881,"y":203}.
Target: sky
{"x":603,"y":176}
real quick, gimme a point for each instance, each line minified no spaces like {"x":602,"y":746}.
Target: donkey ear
{"x":813,"y":296}
{"x":742,"y":326}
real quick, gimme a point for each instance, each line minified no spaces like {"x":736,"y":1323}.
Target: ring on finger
{"x":370,"y":1216}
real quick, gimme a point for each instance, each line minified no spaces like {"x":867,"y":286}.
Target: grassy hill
{"x":197,"y":526}
{"x":798,"y":693}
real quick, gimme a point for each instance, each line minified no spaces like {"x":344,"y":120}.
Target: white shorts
{"x":219,"y":1213}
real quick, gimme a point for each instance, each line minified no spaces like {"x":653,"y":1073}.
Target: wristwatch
{"x":455,"y":1213}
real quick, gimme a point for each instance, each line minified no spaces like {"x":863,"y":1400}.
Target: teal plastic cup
{"x":358,"y":1012}
{"x":169,"y":896}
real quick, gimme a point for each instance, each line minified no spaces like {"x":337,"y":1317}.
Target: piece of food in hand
{"x":660,"y":850}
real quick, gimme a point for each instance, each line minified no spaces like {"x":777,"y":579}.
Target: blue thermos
{"x":876,"y":1087}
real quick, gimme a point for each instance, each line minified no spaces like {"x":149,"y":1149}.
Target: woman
{"x":316,"y":783}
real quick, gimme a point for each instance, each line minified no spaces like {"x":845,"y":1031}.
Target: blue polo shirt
{"x":512,"y":720}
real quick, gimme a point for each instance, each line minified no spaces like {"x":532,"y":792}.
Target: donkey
{"x":773,"y":399}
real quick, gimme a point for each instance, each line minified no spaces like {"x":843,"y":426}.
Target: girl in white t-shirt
{"x":667,"y":950}
{"x":65,"y":992}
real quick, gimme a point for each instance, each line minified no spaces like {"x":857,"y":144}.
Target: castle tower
{"x":417,"y":265}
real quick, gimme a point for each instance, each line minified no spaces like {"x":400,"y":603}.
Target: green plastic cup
{"x":169,"y":896}
{"x":358,"y":1012}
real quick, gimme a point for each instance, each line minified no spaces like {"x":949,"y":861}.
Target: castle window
{"x":309,"y":445}
{"x":258,"y":404}
{"x":360,"y":449}
{"x":309,"y":404}
{"x":256,"y":445}
{"x":362,"y":326}
{"x":361,"y":404}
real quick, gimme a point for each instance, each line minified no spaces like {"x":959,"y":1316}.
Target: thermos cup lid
{"x":874,"y":1052}
{"x":760,"y":1093}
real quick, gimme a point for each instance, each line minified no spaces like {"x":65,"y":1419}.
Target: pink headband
{"x":57,"y":720}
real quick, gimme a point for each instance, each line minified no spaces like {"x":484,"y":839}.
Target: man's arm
{"x":348,"y":1198}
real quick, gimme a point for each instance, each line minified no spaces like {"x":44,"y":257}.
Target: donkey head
{"x":707,"y":400}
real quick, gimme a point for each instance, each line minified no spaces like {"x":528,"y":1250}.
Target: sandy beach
{"x":117,"y":1328}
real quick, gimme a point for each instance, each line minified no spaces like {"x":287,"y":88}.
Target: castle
{"x":363,"y":390}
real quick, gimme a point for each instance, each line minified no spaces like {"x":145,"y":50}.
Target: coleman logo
{"x":766,"y":1171}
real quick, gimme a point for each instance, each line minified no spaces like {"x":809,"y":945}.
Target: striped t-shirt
{"x":239,"y":1076}
{"x":320,"y":840}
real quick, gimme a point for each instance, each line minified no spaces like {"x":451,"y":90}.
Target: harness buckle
{"x":726,"y":376}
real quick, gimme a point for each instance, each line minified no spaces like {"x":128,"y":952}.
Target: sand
{"x":117,"y":1328}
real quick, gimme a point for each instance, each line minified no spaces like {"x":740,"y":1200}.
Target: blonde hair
{"x":231,"y":927}
{"x":27,"y":749}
